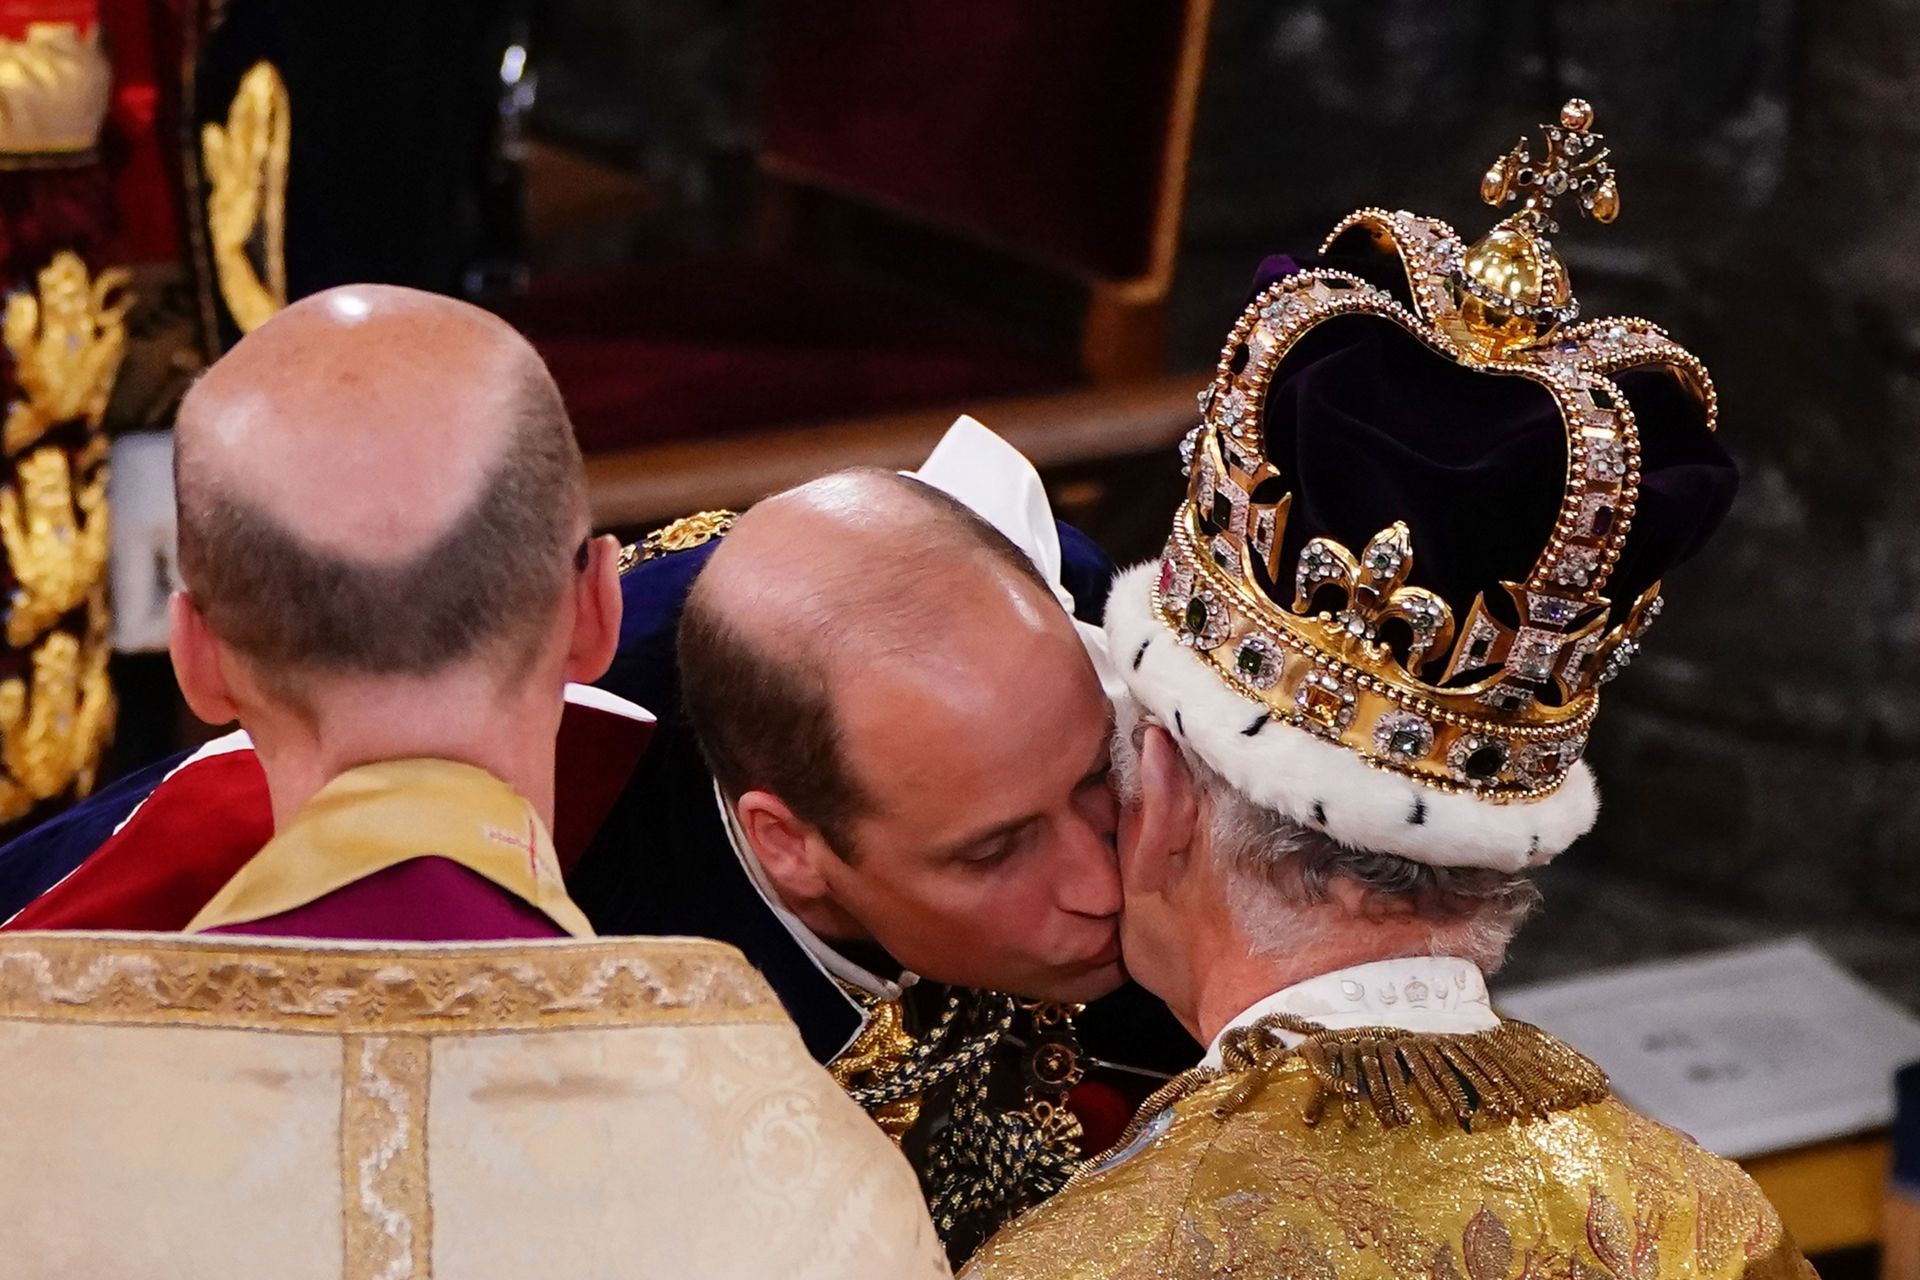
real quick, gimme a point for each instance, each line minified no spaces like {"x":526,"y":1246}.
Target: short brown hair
{"x":765,"y":717}
{"x":492,"y":579}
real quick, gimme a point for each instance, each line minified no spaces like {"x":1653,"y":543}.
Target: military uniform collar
{"x":1438,"y":995}
{"x":824,"y":956}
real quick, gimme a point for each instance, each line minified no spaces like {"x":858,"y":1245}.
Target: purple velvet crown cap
{"x":1274,"y":267}
{"x":1368,"y":425}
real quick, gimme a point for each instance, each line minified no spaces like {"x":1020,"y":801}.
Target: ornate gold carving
{"x":66,"y":339}
{"x":51,"y":736}
{"x":683,"y":534}
{"x":55,"y":539}
{"x":383,"y":1157}
{"x":54,"y":90}
{"x":372,"y":990}
{"x":246,"y":164}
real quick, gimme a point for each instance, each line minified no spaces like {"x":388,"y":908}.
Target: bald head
{"x":377,"y":480}
{"x":859,"y":568}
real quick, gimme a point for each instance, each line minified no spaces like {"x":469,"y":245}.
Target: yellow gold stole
{"x":380,"y":815}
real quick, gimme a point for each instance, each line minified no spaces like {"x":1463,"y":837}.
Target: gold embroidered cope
{"x":1295,"y":1164}
{"x":357,"y":1111}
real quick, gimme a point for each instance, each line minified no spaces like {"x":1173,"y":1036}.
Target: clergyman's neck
{"x":514,"y":745}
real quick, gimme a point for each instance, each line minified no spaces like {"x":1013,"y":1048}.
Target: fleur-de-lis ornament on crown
{"x":1374,"y":590}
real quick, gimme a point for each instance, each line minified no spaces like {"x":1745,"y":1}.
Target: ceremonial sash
{"x":380,"y":815}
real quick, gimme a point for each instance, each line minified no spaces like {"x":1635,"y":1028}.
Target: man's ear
{"x":196,"y":662}
{"x":788,"y":847}
{"x":596,"y":612}
{"x":1168,"y":814}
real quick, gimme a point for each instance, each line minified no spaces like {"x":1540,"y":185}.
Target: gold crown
{"x":1339,"y":644}
{"x":54,"y":89}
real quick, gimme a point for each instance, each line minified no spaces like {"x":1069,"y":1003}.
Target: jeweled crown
{"x":1344,"y":644}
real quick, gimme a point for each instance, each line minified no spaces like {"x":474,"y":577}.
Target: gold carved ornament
{"x":246,"y":164}
{"x":65,"y":338}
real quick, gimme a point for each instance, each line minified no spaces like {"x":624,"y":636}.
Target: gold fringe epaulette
{"x":1513,"y":1071}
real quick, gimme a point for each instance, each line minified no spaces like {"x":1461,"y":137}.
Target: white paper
{"x":144,"y":567}
{"x":1752,"y":1050}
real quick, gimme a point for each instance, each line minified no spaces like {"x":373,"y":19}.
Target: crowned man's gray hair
{"x":1281,"y":876}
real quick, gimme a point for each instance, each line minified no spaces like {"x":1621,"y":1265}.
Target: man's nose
{"x":1089,"y":883}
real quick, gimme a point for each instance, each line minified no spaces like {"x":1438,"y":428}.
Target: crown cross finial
{"x":1574,"y":166}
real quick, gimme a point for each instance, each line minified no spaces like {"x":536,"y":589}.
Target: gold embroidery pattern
{"x":1240,"y":1181}
{"x":387,"y":1211}
{"x":246,"y":165}
{"x":65,"y":338}
{"x":103,"y":978}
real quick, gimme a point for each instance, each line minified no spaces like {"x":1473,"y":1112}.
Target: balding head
{"x":859,"y":568}
{"x":377,"y":481}
{"x":847,"y":565}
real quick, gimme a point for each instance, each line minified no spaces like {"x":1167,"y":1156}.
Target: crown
{"x":1345,"y":645}
{"x":54,"y":88}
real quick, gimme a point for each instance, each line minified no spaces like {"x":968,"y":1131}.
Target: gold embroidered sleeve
{"x":1111,"y":1224}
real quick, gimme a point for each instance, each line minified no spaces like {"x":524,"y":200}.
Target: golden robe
{"x":1378,"y":1153}
{"x":621,"y":1109}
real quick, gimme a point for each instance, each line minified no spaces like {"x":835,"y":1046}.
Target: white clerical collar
{"x":1438,"y":995}
{"x":829,"y":960}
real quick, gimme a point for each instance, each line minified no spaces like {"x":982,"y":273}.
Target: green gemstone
{"x":1383,"y":562}
{"x":1407,"y":743}
{"x":1253,"y":663}
{"x":1196,"y":615}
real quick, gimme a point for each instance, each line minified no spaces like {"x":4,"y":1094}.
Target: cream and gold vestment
{"x":228,"y":1109}
{"x":1376,"y":1153}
